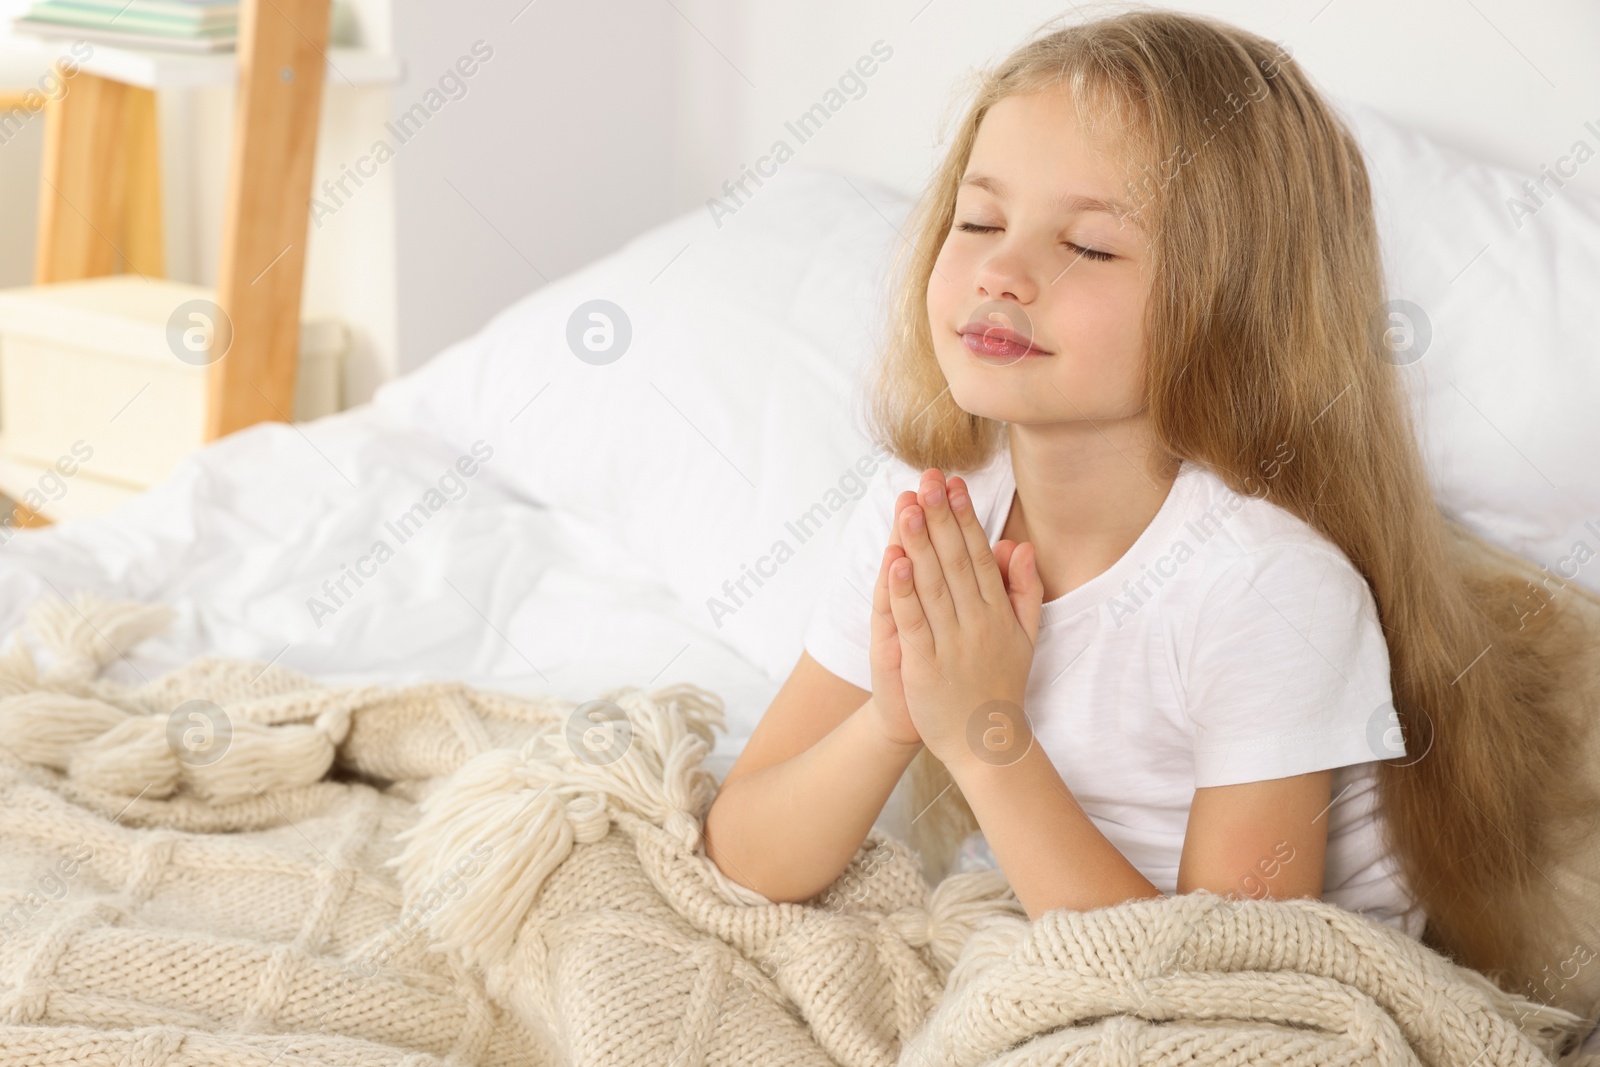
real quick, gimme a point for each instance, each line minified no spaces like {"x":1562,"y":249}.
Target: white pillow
{"x":1508,"y":386}
{"x":735,"y":407}
{"x":732,"y":413}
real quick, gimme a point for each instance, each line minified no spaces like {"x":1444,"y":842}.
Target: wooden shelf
{"x":97,"y":186}
{"x":23,"y":59}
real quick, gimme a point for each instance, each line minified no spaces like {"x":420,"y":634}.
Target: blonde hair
{"x":1266,"y":277}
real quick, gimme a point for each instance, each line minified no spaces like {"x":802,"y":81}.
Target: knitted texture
{"x":231,"y":865}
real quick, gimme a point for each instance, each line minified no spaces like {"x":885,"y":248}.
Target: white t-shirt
{"x":1231,"y":643}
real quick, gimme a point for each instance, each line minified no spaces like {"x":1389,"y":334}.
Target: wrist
{"x":880,"y":735}
{"x":998,"y":736}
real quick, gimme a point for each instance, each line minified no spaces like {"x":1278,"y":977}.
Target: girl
{"x":1220,"y":640}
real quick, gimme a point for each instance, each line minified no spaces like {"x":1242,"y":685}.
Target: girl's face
{"x":1041,"y":237}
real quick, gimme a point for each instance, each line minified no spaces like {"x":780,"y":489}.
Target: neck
{"x":1085,"y":492}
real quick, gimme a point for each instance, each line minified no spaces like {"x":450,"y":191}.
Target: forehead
{"x":1034,"y":147}
{"x":1066,"y":203}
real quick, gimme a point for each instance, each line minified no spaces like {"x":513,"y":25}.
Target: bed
{"x":562,"y":525}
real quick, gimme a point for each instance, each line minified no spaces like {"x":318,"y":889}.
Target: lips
{"x":998,"y":342}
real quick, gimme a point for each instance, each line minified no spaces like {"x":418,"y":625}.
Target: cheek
{"x":1102,"y":329}
{"x":1116,"y":319}
{"x":944,"y":290}
{"x":1096,"y":312}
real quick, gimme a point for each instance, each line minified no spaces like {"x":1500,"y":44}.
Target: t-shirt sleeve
{"x":840,"y":627}
{"x":1288,"y":671}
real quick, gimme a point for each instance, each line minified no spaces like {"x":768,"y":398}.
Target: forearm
{"x":789,"y":830}
{"x":1051,"y":852}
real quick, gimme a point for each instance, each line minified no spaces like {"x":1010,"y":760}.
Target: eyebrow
{"x":1071,"y":203}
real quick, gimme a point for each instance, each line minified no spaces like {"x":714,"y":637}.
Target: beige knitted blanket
{"x":232,"y":865}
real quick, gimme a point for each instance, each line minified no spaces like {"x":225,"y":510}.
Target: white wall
{"x":555,"y":154}
{"x":1510,"y":80}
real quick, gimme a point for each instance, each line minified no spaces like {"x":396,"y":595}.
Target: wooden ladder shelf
{"x":99,"y":202}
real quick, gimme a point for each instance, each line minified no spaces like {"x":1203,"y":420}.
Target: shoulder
{"x":1281,"y":656}
{"x":1270,"y":584}
{"x":1256,"y":546}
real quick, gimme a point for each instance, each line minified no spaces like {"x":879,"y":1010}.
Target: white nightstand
{"x":103,"y":381}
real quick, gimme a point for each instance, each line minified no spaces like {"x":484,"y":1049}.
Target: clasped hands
{"x":954,"y":625}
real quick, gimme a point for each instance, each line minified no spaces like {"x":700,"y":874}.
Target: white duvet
{"x":250,"y":538}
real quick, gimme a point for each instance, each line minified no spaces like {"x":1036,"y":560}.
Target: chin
{"x":990,"y":400}
{"x":1030,"y":399}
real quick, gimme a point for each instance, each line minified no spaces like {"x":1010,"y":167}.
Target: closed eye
{"x":1086,"y":253}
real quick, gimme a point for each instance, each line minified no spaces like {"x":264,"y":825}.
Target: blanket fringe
{"x":125,"y":748}
{"x":158,"y":754}
{"x":89,"y":631}
{"x":521,"y":811}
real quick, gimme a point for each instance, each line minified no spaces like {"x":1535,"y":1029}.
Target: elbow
{"x":712,"y":832}
{"x":719,"y":859}
{"x":737,"y":871}
{"x":742,"y":870}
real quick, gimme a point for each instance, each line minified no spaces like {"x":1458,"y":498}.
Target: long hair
{"x":1262,"y":343}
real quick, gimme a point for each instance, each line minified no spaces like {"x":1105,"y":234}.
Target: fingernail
{"x":935,"y":493}
{"x":914,"y":518}
{"x":958,"y":500}
{"x":901,"y":568}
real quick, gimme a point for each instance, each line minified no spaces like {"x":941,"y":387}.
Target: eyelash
{"x":1086,"y":253}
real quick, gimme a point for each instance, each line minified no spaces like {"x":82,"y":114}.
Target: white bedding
{"x":244,"y":532}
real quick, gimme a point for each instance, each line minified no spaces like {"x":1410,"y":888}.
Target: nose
{"x":1005,"y":276}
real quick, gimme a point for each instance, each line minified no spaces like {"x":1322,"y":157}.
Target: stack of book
{"x":186,"y":25}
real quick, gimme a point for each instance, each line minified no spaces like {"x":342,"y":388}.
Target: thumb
{"x":1026,"y":590}
{"x":1002,"y":557}
{"x":883,"y":631}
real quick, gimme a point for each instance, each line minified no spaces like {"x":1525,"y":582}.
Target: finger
{"x":880,"y":591}
{"x":1027,"y":591}
{"x":950,"y":543}
{"x":883,"y":628}
{"x":882,"y":614}
{"x":926,"y":575}
{"x":905,"y":498}
{"x":986,"y":571}
{"x":906,"y":606}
